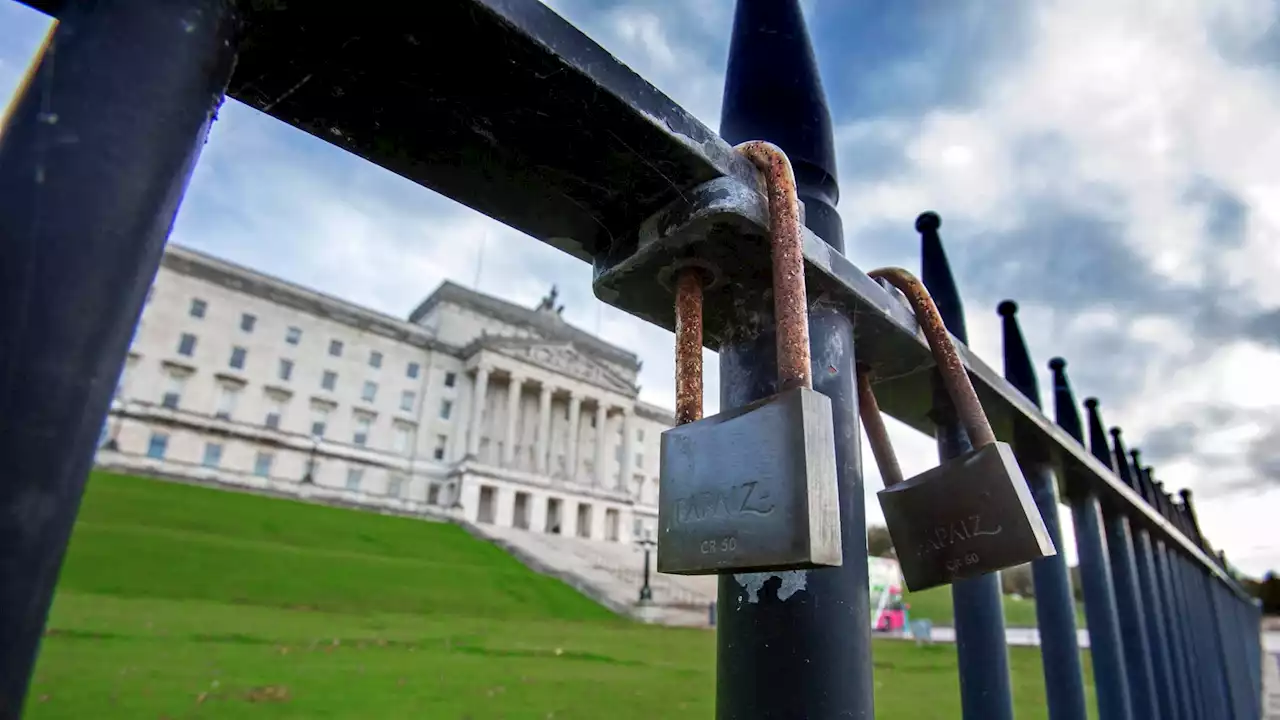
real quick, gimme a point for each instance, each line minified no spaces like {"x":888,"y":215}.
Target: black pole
{"x":94,"y":158}
{"x":646,"y":592}
{"x":981,"y":648}
{"x":1105,"y":645}
{"x":308,"y":478}
{"x":1121,"y":545}
{"x":1055,"y":606}
{"x":802,"y":646}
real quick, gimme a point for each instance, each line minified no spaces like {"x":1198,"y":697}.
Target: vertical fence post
{"x":1109,"y":678}
{"x":808,"y":653}
{"x":1129,"y":603}
{"x":1182,"y":674}
{"x":1178,"y":679}
{"x":1195,"y":621}
{"x":94,"y":158}
{"x":1154,"y":600}
{"x":981,"y":646}
{"x":1055,"y":605}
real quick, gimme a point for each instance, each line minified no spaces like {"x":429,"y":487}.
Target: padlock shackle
{"x":688,"y":345}
{"x":877,"y":434}
{"x":790,"y":301}
{"x":954,"y":376}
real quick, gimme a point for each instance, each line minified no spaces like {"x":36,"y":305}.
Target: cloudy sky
{"x":1113,"y":166}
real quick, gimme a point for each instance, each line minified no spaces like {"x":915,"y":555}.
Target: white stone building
{"x":475,"y":406}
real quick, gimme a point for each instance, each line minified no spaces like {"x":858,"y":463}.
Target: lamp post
{"x":646,"y":592}
{"x":309,"y":477}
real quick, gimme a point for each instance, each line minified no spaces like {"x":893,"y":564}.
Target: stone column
{"x":544,"y":430}
{"x":602,"y":435}
{"x":628,"y":450}
{"x":575,"y":407}
{"x":513,"y":410}
{"x":477,"y":411}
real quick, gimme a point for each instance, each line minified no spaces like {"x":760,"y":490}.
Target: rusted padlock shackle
{"x":790,"y":301}
{"x":954,"y":377}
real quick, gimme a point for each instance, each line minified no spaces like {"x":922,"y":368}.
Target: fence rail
{"x":573,"y":148}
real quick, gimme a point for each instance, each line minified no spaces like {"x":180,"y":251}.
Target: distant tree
{"x":1268,"y":591}
{"x":1075,"y":583}
{"x":1018,"y":580}
{"x":879,"y":544}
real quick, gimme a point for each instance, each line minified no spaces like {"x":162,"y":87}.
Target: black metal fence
{"x":525,"y":119}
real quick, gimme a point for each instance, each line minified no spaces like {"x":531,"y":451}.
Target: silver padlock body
{"x":969,"y":516}
{"x":751,"y":489}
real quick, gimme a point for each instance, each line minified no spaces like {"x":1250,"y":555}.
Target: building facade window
{"x":172,"y":397}
{"x":363,"y":424}
{"x":319,"y":420}
{"x":262,"y":464}
{"x":446,"y":409}
{"x":412,"y":370}
{"x":369,"y":391}
{"x":293,"y":335}
{"x":238,"y":355}
{"x":157,"y":446}
{"x":247,"y":322}
{"x":329,"y":380}
{"x":286,"y":369}
{"x":354,"y":476}
{"x":198,"y":308}
{"x":400,"y":438}
{"x":226,"y":403}
{"x":335,"y":348}
{"x":406,"y":400}
{"x":375,"y":359}
{"x":442,"y":441}
{"x":395,"y":486}
{"x":275,"y":412}
{"x":450,"y":379}
{"x":212,"y":455}
{"x":187,"y":344}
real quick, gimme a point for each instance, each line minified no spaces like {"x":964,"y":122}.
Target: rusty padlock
{"x":971,"y":515}
{"x":753,"y":488}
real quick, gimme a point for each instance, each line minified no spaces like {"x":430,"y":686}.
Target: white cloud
{"x":1144,"y":104}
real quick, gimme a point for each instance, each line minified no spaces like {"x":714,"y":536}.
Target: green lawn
{"x":185,"y":602}
{"x":935,"y":604}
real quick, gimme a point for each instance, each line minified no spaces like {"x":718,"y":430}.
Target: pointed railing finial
{"x":1097,"y":436}
{"x":935,"y":273}
{"x":1189,"y":508}
{"x":1120,"y":459}
{"x":1018,"y":369}
{"x":1064,"y":402}
{"x":1161,"y":503}
{"x":773,"y":92}
{"x":1139,"y":480}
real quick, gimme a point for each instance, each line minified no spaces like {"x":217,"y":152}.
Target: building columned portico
{"x":475,"y":406}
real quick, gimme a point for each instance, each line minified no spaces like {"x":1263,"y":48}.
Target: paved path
{"x":1271,"y":682}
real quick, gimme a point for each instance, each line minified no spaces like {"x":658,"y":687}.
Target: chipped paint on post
{"x":793,"y":581}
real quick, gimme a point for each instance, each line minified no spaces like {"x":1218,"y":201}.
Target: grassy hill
{"x":186,"y":602}
{"x":143,"y":538}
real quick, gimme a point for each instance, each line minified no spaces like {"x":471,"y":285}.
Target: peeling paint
{"x":793,"y":581}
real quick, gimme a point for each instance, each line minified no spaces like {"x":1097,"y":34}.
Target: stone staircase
{"x":609,"y":573}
